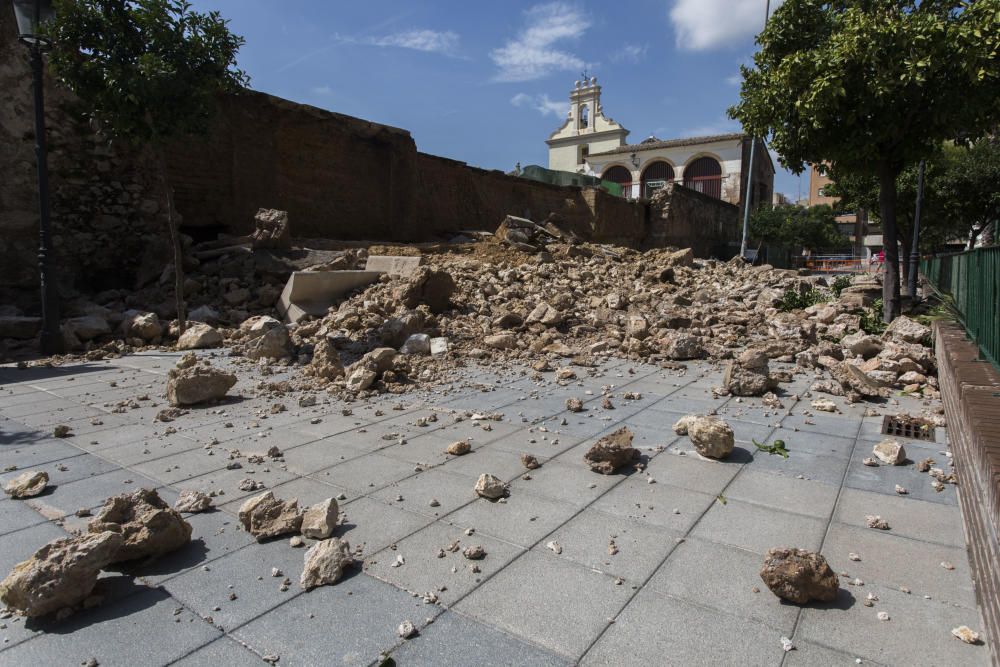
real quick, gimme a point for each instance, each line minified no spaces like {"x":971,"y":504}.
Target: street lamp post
{"x":30,"y":15}
{"x":749,"y":190}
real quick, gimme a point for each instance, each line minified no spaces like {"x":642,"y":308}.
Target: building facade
{"x":852,"y":224}
{"x":717,"y":166}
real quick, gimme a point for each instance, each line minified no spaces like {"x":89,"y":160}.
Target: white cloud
{"x":542,"y":104}
{"x":430,"y":41}
{"x":630,"y":53}
{"x":531,"y":54}
{"x":734,"y":80}
{"x":707,"y":24}
{"x":321,"y":90}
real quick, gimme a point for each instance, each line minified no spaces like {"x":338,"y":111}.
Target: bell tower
{"x":586,"y":129}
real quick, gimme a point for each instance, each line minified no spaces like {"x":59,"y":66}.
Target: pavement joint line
{"x":826,"y":532}
{"x":687,"y":534}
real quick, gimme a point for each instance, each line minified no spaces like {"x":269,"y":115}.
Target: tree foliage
{"x":146,"y":71}
{"x":871,"y":86}
{"x":798,"y":226}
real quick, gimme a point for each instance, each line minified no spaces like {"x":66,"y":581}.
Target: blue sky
{"x":486,"y":82}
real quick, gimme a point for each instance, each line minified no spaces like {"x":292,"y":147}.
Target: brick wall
{"x":681,"y":217}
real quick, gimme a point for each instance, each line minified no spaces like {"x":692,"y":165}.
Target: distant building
{"x":853,"y":224}
{"x":592,"y":143}
{"x":780,"y":199}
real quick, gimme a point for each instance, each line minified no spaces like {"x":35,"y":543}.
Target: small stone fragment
{"x":406,"y":630}
{"x":554,"y":546}
{"x":265,"y":516}
{"x":459,"y":447}
{"x":530,"y":462}
{"x":193,"y":501}
{"x":799,"y":575}
{"x":612,"y":452}
{"x":870,"y":461}
{"x":966,"y":634}
{"x":490,"y":486}
{"x":325,"y":563}
{"x":883,"y":616}
{"x":890,"y":452}
{"x":320,"y":520}
{"x":61,"y":431}
{"x":476,"y":552}
{"x":574,"y":405}
{"x":877,"y":522}
{"x":901,"y":490}
{"x":27,"y":485}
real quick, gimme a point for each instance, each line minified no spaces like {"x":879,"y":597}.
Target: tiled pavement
{"x":689,"y":533}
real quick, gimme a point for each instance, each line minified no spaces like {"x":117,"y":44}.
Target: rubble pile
{"x":529,"y":292}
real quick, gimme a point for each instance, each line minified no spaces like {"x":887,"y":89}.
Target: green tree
{"x":814,"y":228}
{"x":147,"y":71}
{"x":872,"y":86}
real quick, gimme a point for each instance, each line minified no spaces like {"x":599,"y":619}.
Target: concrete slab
{"x":394,"y":265}
{"x":313,"y":292}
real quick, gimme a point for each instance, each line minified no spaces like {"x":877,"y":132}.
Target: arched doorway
{"x":621,"y":176}
{"x":655,"y":176}
{"x":705,"y":176}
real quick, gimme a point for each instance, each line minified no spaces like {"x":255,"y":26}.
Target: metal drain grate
{"x":908,"y":427}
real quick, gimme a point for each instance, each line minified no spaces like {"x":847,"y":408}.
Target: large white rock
{"x":199,"y":336}
{"x":712,"y":437}
{"x":890,"y":452}
{"x":88,"y":327}
{"x":197,"y":384}
{"x":142,"y":325}
{"x":325,"y":563}
{"x":490,"y":486}
{"x":908,"y":331}
{"x":320,"y":520}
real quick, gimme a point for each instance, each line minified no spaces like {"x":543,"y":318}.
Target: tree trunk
{"x":175,"y":239}
{"x":887,"y":175}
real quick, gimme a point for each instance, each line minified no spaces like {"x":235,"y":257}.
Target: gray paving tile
{"x":504,"y":464}
{"x":143,"y":626}
{"x":454,"y":640}
{"x":883,"y":555}
{"x":586,"y":539}
{"x":688,"y":634}
{"x":19,"y":545}
{"x":918,"y":632}
{"x":366,"y":473}
{"x":567,"y":480}
{"x":15,"y":515}
{"x":523,"y":519}
{"x":826,"y":469}
{"x":909,"y":517}
{"x":634,"y":498}
{"x":555,"y":586}
{"x":222,"y":651}
{"x":450,"y":492}
{"x":450,"y":577}
{"x":808,"y":654}
{"x":788,"y":494}
{"x":838,"y":443}
{"x":349,"y":623}
{"x":692,"y":472}
{"x":89,"y":492}
{"x":728,"y":587}
{"x":884,"y":479}
{"x":372,"y":525}
{"x":214,"y":534}
{"x":227,"y":482}
{"x":758,"y":528}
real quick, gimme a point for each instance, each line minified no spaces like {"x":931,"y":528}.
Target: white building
{"x":590,"y":142}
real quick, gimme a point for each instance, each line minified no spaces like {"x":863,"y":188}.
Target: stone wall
{"x":679,"y":216}
{"x":104,"y":202}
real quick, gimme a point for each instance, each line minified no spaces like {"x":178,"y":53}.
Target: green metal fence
{"x":973,"y":280}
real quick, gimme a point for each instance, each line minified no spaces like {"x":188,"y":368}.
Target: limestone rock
{"x":59,"y":575}
{"x":748,"y":375}
{"x":799,"y":576}
{"x":681,"y":347}
{"x":682,"y":425}
{"x":325,"y":563}
{"x":361,"y":379}
{"x":268,"y":339}
{"x":27,"y":485}
{"x":326,"y":363}
{"x":490,"y":487}
{"x":197,"y":384}
{"x":271,"y":229}
{"x":142,"y":325}
{"x":406,"y":630}
{"x":862,"y":344}
{"x":320,"y":520}
{"x":428,"y":286}
{"x":459,"y":447}
{"x":574,"y":405}
{"x":88,"y":327}
{"x":905,"y":330}
{"x":712,"y":437}
{"x":419,"y":343}
{"x":966,"y":634}
{"x":545,"y":314}
{"x":148,"y":525}
{"x":265,"y":516}
{"x":612,"y":452}
{"x":530,"y":462}
{"x":199,"y":336}
{"x":193,"y":501}
{"x":503,"y":341}
{"x":890,"y":452}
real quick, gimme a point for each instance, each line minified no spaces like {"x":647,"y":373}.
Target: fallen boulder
{"x":197,"y":383}
{"x":748,"y":375}
{"x":798,"y":575}
{"x":890,"y":452}
{"x":320,"y":520}
{"x":147,"y":524}
{"x":27,"y":485}
{"x":142,"y":325}
{"x":193,"y":501}
{"x":612,"y":452}
{"x":326,"y":364}
{"x":711,"y":437}
{"x":490,"y":487}
{"x":265,"y":516}
{"x":271,"y":229}
{"x":59,"y":575}
{"x":325,"y":563}
{"x":199,"y":336}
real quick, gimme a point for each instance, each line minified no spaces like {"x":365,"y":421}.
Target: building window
{"x":704,"y":175}
{"x":621,"y":176}
{"x":584,"y":154}
{"x":584,"y":117}
{"x":655,"y":176}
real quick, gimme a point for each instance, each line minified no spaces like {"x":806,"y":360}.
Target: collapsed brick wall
{"x":105,"y":202}
{"x":682,"y":217}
